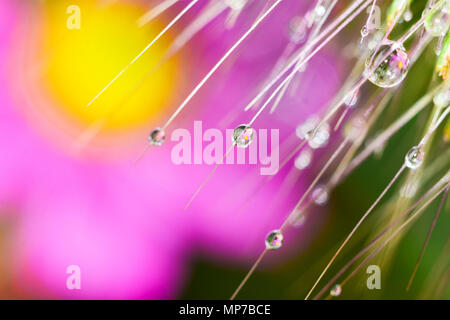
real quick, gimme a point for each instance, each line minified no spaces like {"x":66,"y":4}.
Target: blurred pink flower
{"x":125,"y":226}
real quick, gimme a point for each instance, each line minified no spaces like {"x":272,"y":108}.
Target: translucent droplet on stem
{"x":298,"y":27}
{"x":274,"y":240}
{"x":390,"y":69}
{"x":319,"y":138}
{"x":320,"y":195}
{"x":157,"y":137}
{"x":364,"y":31}
{"x":336,"y":290}
{"x":303,"y":130}
{"x":355,"y":128}
{"x":243,"y":136}
{"x":414,"y":158}
{"x":304,"y":159}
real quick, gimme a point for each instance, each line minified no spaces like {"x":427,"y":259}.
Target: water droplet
{"x":274,"y":240}
{"x":320,"y":195}
{"x":352,"y":98}
{"x":304,"y":159}
{"x":304,"y":129}
{"x":437,"y":23}
{"x":336,"y":290}
{"x":297,"y":219}
{"x":320,"y":138}
{"x":414,"y":158}
{"x":243,"y":136}
{"x":320,"y":11}
{"x":408,"y":15}
{"x":442,"y":98}
{"x":298,"y":29}
{"x":355,"y":128}
{"x":364,"y":31}
{"x":157,"y":137}
{"x":390,"y":71}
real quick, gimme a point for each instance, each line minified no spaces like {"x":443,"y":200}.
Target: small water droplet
{"x":355,"y":128}
{"x":352,"y":98}
{"x":304,"y":159}
{"x":274,"y":240}
{"x":320,"y":138}
{"x":414,"y":158}
{"x":298,"y":27}
{"x":390,"y":71}
{"x":297,"y":219}
{"x":336,"y":290}
{"x":157,"y":137}
{"x":304,"y":129}
{"x":320,"y":11}
{"x":408,"y":15}
{"x":320,"y":195}
{"x":243,"y":136}
{"x":364,"y":31}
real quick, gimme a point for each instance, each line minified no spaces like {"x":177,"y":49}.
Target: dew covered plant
{"x":356,"y":124}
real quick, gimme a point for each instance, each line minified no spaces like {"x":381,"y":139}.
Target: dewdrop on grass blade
{"x":274,"y":240}
{"x":389,"y":71}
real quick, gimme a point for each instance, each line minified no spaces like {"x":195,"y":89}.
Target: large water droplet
{"x":157,"y":137}
{"x":243,"y":136}
{"x":414,"y":158}
{"x":274,"y":240}
{"x":391,"y":69}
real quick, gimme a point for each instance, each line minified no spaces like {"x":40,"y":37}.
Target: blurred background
{"x":70,"y":194}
